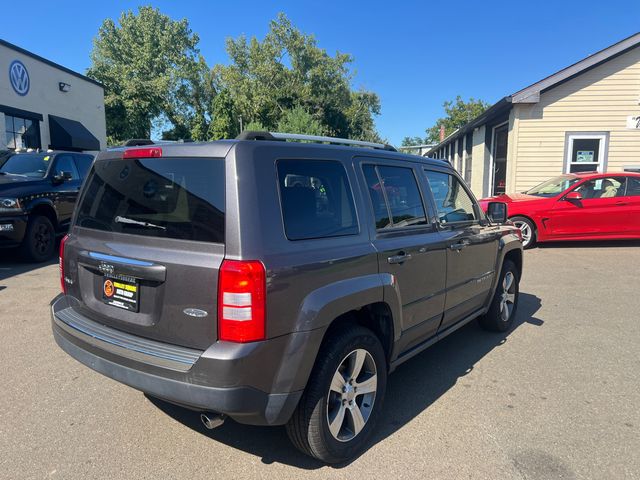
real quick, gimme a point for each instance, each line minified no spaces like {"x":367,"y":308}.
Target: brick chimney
{"x":441,"y":132}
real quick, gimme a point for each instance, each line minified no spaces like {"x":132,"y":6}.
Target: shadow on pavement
{"x":411,"y":389}
{"x":12,"y":264}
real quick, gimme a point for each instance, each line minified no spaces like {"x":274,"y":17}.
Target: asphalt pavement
{"x":557,"y":397}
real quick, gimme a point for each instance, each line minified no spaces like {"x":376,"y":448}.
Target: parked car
{"x":38,"y":191}
{"x":277,"y":282}
{"x":577,"y":206}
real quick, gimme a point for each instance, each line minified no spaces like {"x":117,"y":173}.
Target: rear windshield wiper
{"x":131,"y":221}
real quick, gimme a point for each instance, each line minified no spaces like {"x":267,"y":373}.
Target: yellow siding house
{"x":585,"y":117}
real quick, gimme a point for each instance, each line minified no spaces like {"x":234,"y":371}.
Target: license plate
{"x":120,"y":292}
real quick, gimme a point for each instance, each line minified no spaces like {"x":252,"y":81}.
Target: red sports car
{"x":577,"y":206}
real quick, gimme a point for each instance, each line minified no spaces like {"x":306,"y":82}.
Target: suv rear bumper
{"x":199,"y":387}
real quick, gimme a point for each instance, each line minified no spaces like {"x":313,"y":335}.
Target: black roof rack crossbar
{"x":256,"y":135}
{"x":138,"y":142}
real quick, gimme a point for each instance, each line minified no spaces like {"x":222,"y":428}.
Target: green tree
{"x":364,"y":105}
{"x":409,"y":141}
{"x":189,"y":103}
{"x":152,"y":70}
{"x":268,"y":78}
{"x":298,"y":120}
{"x":255,"y":126}
{"x":224,"y":123}
{"x":458,"y":113}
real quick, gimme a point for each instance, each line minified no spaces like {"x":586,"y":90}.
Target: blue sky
{"x":415,"y":55}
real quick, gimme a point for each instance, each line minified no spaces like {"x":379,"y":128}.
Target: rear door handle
{"x":400,"y":258}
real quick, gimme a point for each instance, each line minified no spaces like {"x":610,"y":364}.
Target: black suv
{"x":38,"y":192}
{"x":277,"y":282}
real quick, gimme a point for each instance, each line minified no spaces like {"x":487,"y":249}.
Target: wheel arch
{"x":45,"y":209}
{"x":377,"y":317}
{"x":515,"y":256}
{"x":365,"y":301}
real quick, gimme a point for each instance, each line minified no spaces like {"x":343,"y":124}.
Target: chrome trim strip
{"x":126,"y":345}
{"x":113,"y":258}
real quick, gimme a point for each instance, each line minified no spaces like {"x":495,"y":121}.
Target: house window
{"x":586,"y":152}
{"x":21,"y":132}
{"x":469,"y":159}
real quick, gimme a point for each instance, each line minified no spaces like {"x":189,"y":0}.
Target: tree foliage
{"x":409,"y":141}
{"x":458,"y":113}
{"x":150,"y":67}
{"x":287,"y":71}
{"x":156,"y":79}
{"x":298,"y":120}
{"x":224,"y":124}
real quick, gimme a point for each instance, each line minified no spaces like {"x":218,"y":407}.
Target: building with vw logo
{"x":47,"y":106}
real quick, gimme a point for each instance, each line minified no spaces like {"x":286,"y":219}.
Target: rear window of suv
{"x":316,"y":199}
{"x":180,"y":198}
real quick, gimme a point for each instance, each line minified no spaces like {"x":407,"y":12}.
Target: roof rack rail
{"x":259,"y":135}
{"x":139,"y":142}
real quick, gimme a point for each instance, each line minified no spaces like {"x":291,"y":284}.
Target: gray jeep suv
{"x":277,"y":282}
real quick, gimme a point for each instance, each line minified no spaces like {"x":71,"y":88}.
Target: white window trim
{"x":602,"y":151}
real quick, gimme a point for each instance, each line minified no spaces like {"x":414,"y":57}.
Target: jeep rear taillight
{"x":63,"y":284}
{"x":241,"y":301}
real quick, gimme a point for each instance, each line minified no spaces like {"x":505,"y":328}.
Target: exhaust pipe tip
{"x":212,"y":420}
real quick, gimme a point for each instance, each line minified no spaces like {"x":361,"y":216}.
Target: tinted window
{"x":453,"y":203}
{"x":64,"y":163}
{"x":633,"y":186}
{"x":403,"y":196}
{"x":316,"y":199}
{"x":83,"y":162}
{"x":160,"y":197}
{"x":394,"y":190}
{"x":377,"y":198}
{"x":603,"y":188}
{"x":28,"y":164}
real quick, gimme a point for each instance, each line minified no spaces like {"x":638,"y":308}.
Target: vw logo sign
{"x":19,"y":77}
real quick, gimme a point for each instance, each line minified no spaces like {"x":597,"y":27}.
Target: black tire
{"x":494,"y":320}
{"x":533,"y":238}
{"x":308,"y":428}
{"x":39,"y":242}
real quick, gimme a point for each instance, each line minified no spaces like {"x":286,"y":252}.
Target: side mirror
{"x":62,"y":177}
{"x":497,"y":212}
{"x":573,"y":196}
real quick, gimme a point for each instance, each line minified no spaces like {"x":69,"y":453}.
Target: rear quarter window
{"x":316,"y":199}
{"x":181,"y":198}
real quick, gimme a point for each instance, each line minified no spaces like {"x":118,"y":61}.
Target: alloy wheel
{"x":42,"y":239}
{"x":508,"y":297}
{"x":351,"y":395}
{"x":526,"y":231}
